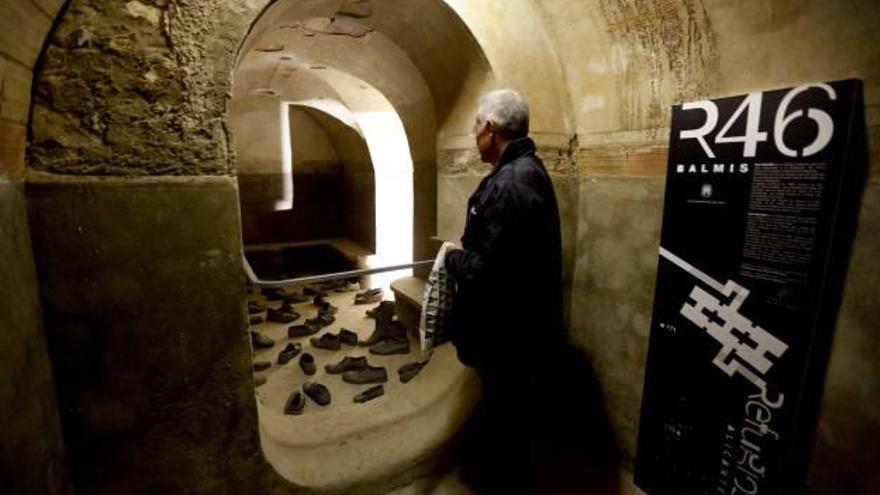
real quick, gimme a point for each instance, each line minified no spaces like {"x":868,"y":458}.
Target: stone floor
{"x":369,"y":443}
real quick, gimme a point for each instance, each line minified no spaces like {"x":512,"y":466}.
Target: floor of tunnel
{"x":411,"y":423}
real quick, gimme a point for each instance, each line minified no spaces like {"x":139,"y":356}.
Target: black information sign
{"x":762,"y":193}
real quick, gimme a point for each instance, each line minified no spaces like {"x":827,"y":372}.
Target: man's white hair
{"x":507,"y":109}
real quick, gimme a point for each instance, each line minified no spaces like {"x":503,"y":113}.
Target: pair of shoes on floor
{"x":384,"y":307}
{"x":357,"y":370}
{"x":408,"y":371}
{"x":389,"y":337}
{"x":334,"y":341}
{"x":383,"y":328}
{"x":370,"y":394}
{"x":289,"y":352}
{"x":368,"y":296}
{"x":297,"y":400}
{"x":302,"y":330}
{"x":260,"y":341}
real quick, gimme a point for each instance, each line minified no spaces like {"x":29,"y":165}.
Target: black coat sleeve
{"x":500,"y":218}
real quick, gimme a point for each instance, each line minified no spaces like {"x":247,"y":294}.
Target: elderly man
{"x":506,"y":320}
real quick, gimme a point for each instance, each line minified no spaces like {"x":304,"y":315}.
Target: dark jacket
{"x":509,"y":273}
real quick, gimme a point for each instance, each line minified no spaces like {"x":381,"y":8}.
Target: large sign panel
{"x":761,"y":196}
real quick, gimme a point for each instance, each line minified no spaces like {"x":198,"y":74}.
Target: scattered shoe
{"x":295,"y":403}
{"x":255,"y":307}
{"x":370,"y":394}
{"x":391,"y":346}
{"x":348,"y":286}
{"x":311,"y":291}
{"x":295,"y":297}
{"x":289,"y":352}
{"x":284,"y":314}
{"x":408,"y":371}
{"x":261,"y":341}
{"x":274,"y":293}
{"x":384,"y":307}
{"x":259,"y":380}
{"x":322,"y":320}
{"x":327,"y":341}
{"x":303,"y":330}
{"x":369,"y":297}
{"x":253,"y":320}
{"x":370,"y":374}
{"x":262,"y":365}
{"x":347,"y":363}
{"x":327,"y":309}
{"x":307,"y":363}
{"x":320,"y":300}
{"x":317,"y":393}
{"x":382,"y":329}
{"x":348,"y":337}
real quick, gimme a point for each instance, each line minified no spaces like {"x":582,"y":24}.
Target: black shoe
{"x":381,"y":332}
{"x":320,"y":300}
{"x":304,"y":330}
{"x":327,"y":341}
{"x":261,"y":341}
{"x":327,"y":309}
{"x":369,"y":292}
{"x":368,"y":299}
{"x":347,"y":363}
{"x":348,"y":337}
{"x":281,"y":316}
{"x":295,"y":403}
{"x":255,"y":307}
{"x":307,"y":363}
{"x":384,"y":307}
{"x":370,"y":374}
{"x":317,"y":393}
{"x":294,"y":297}
{"x":275,"y":293}
{"x":262,"y":365}
{"x":311,"y":291}
{"x":289,"y":352}
{"x":253,"y":320}
{"x":408,"y":371}
{"x":370,"y":394}
{"x":391,"y":346}
{"x":322,"y":320}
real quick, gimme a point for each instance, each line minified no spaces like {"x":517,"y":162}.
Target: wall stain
{"x":670,"y":51}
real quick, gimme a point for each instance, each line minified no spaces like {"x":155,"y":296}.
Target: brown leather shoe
{"x":370,"y":374}
{"x":260,"y":341}
{"x":327,"y":341}
{"x":317,"y":392}
{"x":347,"y":363}
{"x":370,"y":394}
{"x":289,"y":352}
